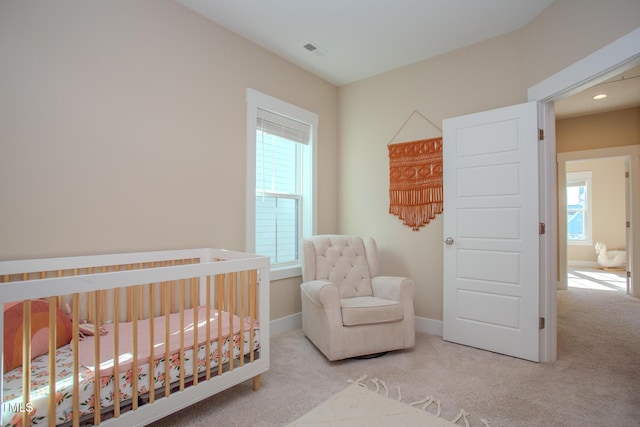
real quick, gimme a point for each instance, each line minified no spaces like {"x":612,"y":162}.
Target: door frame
{"x":614,"y":58}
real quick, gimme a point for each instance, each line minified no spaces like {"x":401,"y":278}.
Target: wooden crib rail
{"x":226,"y":283}
{"x":44,"y":287}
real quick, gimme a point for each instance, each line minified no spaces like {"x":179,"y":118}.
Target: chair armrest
{"x":322,"y":293}
{"x":393,"y":288}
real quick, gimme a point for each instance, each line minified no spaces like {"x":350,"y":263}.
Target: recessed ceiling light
{"x":600,"y":96}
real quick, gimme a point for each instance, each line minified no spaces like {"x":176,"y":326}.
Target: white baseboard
{"x":285,"y":324}
{"x":583,"y":264}
{"x":294,"y":321}
{"x":429,"y":326}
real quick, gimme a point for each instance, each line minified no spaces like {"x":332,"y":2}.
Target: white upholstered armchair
{"x":347,"y":309}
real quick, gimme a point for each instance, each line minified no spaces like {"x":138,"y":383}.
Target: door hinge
{"x":541,"y":323}
{"x":628,"y":224}
{"x":628,"y":275}
{"x":540,"y":134}
{"x":542,"y":228}
{"x":626,"y":174}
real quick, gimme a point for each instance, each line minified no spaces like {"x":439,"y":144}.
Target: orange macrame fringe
{"x":415,"y":175}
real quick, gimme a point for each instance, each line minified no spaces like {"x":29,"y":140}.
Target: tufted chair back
{"x":347,"y":261}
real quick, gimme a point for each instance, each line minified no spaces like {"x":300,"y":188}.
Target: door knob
{"x":449,"y":240}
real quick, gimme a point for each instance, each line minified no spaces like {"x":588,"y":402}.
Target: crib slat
{"x":116,"y":353}
{"x":232,"y":304}
{"x":76,"y":363}
{"x":134,"y":368}
{"x":96,"y":357}
{"x":163,"y":294}
{"x":167,"y":337}
{"x":252,"y":311}
{"x":141,"y":289}
{"x":90,"y":296}
{"x":195,"y":330}
{"x":182,"y":290}
{"x":103,"y":298}
{"x":207,"y":353}
{"x":241,"y":314}
{"x":152,"y":334}
{"x":26,"y":360}
{"x":173,"y":289}
{"x":52,"y":361}
{"x":59,"y":274}
{"x":129,"y":298}
{"x":220,"y":285}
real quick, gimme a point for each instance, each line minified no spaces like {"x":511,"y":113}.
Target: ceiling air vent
{"x":315,"y":49}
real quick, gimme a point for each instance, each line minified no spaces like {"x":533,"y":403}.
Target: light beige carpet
{"x":357,"y":405}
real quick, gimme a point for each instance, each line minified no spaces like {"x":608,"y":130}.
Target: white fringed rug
{"x":357,"y":405}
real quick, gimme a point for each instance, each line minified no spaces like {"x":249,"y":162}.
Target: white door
{"x":491,"y":230}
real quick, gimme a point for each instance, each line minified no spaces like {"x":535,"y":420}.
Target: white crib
{"x":159,"y":352}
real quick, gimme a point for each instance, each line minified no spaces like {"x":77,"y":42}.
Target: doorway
{"x":610,"y":210}
{"x":616,"y":57}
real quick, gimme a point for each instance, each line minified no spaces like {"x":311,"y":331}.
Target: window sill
{"x":285,"y":272}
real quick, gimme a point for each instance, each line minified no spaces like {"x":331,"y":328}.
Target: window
{"x":579,"y":208}
{"x":280,"y":180}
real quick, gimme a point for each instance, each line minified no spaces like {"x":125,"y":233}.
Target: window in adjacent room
{"x":579,"y":208}
{"x":280,"y":183}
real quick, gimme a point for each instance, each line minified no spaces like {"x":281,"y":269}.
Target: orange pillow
{"x":13,"y":327}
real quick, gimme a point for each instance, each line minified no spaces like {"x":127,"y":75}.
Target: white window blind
{"x":279,"y":144}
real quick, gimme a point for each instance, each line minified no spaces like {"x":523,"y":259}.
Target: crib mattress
{"x":12,"y":386}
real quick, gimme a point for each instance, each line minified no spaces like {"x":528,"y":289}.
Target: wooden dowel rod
{"x":232,"y":303}
{"x":52,"y":360}
{"x":208,"y":330}
{"x":134,"y":368}
{"x":96,"y":376}
{"x":90,"y":304}
{"x":103,"y":298}
{"x":163,"y":293}
{"x":26,"y":360}
{"x":116,"y":352}
{"x":167,"y":338}
{"x":182,"y":291}
{"x":243,"y":283}
{"x":76,"y":361}
{"x":59,"y":274}
{"x":173,"y":289}
{"x":220,"y":284}
{"x":252,"y":311}
{"x":195,"y":330}
{"x":152,"y":334}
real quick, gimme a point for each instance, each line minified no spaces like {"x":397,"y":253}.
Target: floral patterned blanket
{"x":12,"y":386}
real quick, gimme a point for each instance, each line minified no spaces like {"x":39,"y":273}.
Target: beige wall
{"x":488,"y":75}
{"x":605,"y":130}
{"x":123,"y":128}
{"x":601,"y":131}
{"x":608,"y":206}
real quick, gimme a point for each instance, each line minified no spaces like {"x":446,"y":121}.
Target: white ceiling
{"x":623,"y":91}
{"x":356,"y":39}
{"x":362,"y":38}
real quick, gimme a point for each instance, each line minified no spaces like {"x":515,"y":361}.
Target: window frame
{"x":257,"y":100}
{"x":579,"y":177}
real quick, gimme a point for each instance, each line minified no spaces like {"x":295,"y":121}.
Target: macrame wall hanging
{"x":415,"y":180}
